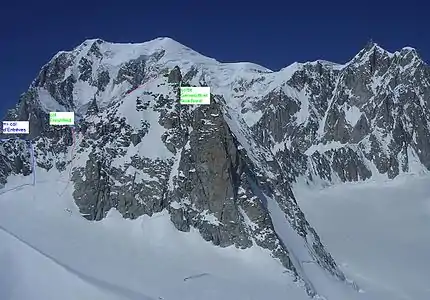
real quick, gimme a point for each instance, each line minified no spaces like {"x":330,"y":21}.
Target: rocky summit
{"x":225,"y":169}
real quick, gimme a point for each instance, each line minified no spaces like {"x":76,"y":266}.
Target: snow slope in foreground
{"x":379,"y":232}
{"x":47,"y":251}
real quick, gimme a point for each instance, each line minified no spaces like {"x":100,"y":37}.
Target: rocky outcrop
{"x":371,"y":114}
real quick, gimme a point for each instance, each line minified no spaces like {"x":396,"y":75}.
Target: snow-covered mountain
{"x":224,"y":169}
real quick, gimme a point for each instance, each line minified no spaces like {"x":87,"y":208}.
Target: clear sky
{"x":273,"y":34}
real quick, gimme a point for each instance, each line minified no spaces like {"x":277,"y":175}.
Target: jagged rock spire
{"x":93,"y":107}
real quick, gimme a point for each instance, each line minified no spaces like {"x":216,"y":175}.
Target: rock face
{"x":215,"y":167}
{"x":368,"y":117}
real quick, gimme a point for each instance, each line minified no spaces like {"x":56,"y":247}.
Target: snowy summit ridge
{"x":224,"y":169}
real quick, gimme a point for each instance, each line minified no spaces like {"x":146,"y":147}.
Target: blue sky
{"x":273,"y":34}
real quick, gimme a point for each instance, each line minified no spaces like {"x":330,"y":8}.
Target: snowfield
{"x":378,"y":232}
{"x":48,"y":251}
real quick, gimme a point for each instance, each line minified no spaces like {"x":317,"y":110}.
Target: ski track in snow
{"x":120,"y":291}
{"x":196,"y":276}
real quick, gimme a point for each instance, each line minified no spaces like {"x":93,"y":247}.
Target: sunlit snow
{"x":377,"y":231}
{"x":47,"y":251}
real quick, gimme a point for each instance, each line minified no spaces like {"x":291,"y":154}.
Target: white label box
{"x":62,"y":118}
{"x":195,"y":95}
{"x":16,"y":127}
